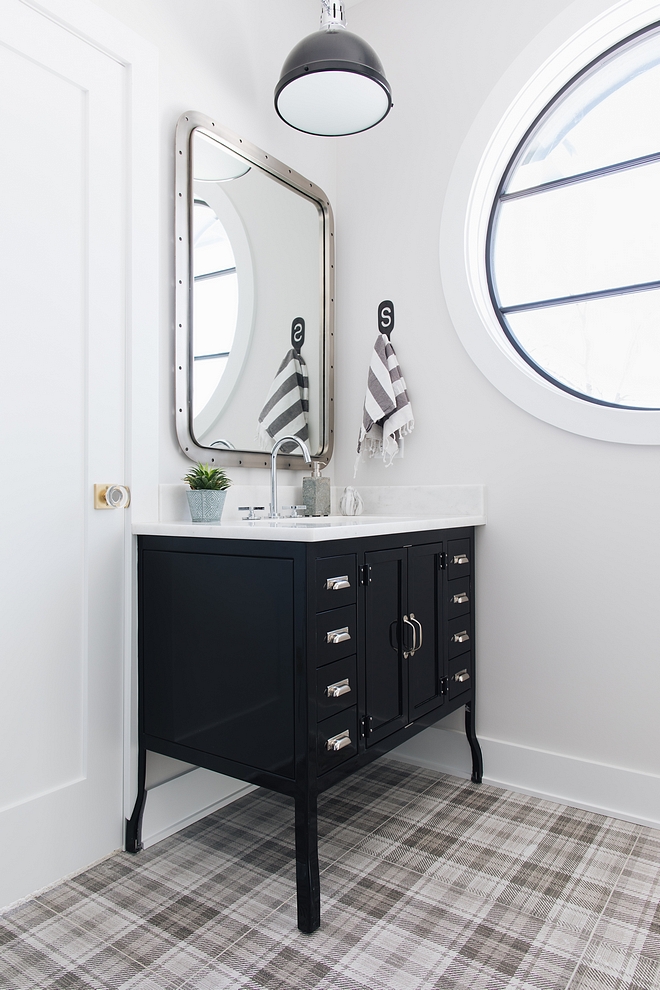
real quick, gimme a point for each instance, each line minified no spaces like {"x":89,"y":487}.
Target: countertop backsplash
{"x":400,"y":500}
{"x":419,"y":500}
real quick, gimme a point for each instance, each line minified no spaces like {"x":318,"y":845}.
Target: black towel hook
{"x":297,"y":333}
{"x":386,"y":317}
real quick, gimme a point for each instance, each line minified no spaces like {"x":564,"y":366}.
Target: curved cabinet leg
{"x":470,"y":732}
{"x":134,"y":823}
{"x":307,"y":864}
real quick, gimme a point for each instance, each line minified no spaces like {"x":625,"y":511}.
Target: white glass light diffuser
{"x":333,"y":103}
{"x":213,"y":163}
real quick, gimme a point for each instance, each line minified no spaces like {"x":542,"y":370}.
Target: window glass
{"x":574,"y":267}
{"x":215,"y":303}
{"x":212,"y":250}
{"x":579,"y":238}
{"x":216,"y":311}
{"x":605,"y":349}
{"x":610,"y":116}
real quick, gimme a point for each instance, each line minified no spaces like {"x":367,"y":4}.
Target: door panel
{"x":425,"y":667}
{"x":386,"y":688}
{"x":62,"y":400}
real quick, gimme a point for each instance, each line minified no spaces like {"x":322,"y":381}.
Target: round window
{"x":573,"y":241}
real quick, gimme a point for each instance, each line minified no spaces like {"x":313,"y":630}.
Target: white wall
{"x":568,"y":583}
{"x":567,"y":623}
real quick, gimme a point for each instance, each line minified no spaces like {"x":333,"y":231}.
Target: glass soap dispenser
{"x":316,"y":492}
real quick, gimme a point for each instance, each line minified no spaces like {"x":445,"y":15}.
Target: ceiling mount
{"x":333,"y":15}
{"x":332,"y":82}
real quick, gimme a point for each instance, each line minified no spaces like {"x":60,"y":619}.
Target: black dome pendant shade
{"x":333,"y":83}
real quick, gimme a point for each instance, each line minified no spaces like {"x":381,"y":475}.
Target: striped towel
{"x":287,"y":405}
{"x":388,"y":415}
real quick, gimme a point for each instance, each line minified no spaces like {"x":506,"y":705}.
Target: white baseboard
{"x":606,"y":790}
{"x":177,"y":803}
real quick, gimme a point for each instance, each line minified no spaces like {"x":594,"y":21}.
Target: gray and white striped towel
{"x":287,"y":405}
{"x":387,"y":417}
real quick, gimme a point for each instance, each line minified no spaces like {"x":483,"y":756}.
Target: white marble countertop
{"x":306,"y":530}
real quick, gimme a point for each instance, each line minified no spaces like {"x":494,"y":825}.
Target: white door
{"x":63,"y":215}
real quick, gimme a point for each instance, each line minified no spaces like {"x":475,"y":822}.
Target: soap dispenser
{"x":316,"y":492}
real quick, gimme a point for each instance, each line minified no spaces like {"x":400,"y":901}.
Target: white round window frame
{"x":555,"y":56}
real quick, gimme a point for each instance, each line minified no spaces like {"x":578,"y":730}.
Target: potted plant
{"x":208,"y":490}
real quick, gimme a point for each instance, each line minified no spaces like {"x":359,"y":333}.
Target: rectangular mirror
{"x":254,"y":302}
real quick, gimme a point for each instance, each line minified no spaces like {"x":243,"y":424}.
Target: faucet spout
{"x":273,"y":468}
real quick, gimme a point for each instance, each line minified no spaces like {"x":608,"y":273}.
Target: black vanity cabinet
{"x":291,"y":664}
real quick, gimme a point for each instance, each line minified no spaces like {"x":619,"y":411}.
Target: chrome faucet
{"x":273,"y":469}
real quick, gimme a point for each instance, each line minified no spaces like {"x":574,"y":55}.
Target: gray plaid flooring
{"x":428,"y":882}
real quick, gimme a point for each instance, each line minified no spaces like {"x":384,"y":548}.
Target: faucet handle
{"x":294,"y":510}
{"x":251,"y":509}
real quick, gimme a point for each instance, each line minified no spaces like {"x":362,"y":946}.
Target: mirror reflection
{"x":215,"y":303}
{"x":257,"y":329}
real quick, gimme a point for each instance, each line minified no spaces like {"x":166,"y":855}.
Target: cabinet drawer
{"x":336,"y":634}
{"x":459,"y":563}
{"x":333,"y":733}
{"x":459,"y":597}
{"x":460,"y":635}
{"x":336,"y":582}
{"x":460,"y":675}
{"x":332,"y":695}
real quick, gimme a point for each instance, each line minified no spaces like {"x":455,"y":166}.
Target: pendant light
{"x":333,"y":83}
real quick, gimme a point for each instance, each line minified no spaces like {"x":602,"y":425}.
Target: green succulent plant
{"x":203,"y":476}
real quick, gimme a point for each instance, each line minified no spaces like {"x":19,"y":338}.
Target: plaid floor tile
{"x":428,"y":883}
{"x":544,"y":859}
{"x":389,"y":928}
{"x":606,"y":965}
{"x":632,"y":916}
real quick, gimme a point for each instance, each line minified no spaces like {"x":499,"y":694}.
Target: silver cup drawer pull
{"x":339,"y":689}
{"x":461,"y":558}
{"x":461,"y":598}
{"x":461,"y":676}
{"x":340,"y":741}
{"x":338,"y":636}
{"x":337,"y":583}
{"x":461,"y":637}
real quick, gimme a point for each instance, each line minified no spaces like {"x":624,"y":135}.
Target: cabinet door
{"x":425,"y":666}
{"x":218,"y":655}
{"x":386,"y":687}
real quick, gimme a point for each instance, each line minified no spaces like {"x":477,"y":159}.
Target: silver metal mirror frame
{"x":184,"y":295}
